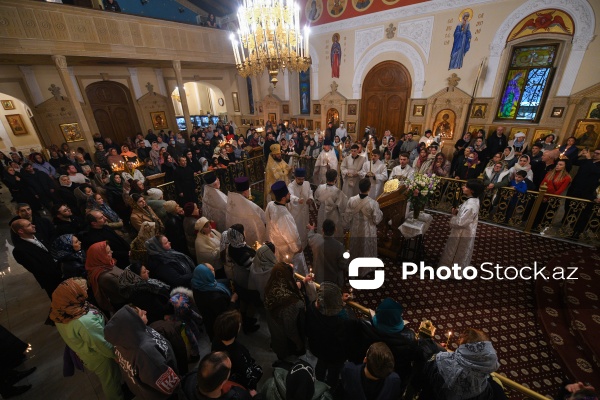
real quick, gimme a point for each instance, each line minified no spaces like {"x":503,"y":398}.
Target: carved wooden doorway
{"x":113,"y":110}
{"x":385,"y":93}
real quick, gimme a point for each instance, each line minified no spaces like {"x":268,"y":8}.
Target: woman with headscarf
{"x":261,"y":268}
{"x":141,"y":212}
{"x":211,"y":296}
{"x":131,"y":172}
{"x":81,"y":326}
{"x":138,"y":250}
{"x":127,"y":154}
{"x":67,"y":250}
{"x":170,"y":266}
{"x":168,"y":167}
{"x":469,"y":169}
{"x":174,"y":226}
{"x":419,"y":161}
{"x":523,"y":164}
{"x":518,"y":147}
{"x":480,"y":147}
{"x":96,"y":202}
{"x":114,"y":195}
{"x":241,"y":256}
{"x":465,"y":373}
{"x":16,"y":186}
{"x":208,"y":245}
{"x":103,"y":276}
{"x":146,"y":293}
{"x":285,"y":304}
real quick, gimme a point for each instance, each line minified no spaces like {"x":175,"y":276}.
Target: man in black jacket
{"x":65,"y":222}
{"x":40,"y":185}
{"x":34,"y":254}
{"x":98,"y":232}
{"x":497,"y":141}
{"x":185,"y":186}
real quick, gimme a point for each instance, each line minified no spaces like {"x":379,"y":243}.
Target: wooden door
{"x":113,"y":110}
{"x":385,"y":94}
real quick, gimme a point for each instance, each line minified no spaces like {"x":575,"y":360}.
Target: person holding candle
{"x":377,"y":171}
{"x":240,"y":209}
{"x":214,"y":201}
{"x":464,"y":374}
{"x":282,"y":230}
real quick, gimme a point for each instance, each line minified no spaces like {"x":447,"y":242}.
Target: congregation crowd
{"x":136,"y":281}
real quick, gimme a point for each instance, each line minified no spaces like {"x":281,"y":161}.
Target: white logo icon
{"x":366,"y":262}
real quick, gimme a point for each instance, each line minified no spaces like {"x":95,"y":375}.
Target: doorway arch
{"x":385,"y":94}
{"x":113,"y":110}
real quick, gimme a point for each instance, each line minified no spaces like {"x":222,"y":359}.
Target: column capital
{"x":177,"y":65}
{"x":60,"y":61}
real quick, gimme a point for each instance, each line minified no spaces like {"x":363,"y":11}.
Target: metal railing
{"x":537,"y":212}
{"x":507,"y":383}
{"x":253,"y":168}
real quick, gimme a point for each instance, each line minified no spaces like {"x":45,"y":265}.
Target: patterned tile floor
{"x":504,"y":309}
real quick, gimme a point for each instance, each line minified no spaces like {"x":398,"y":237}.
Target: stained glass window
{"x":526,"y":82}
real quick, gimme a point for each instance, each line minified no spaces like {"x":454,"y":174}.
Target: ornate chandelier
{"x":270,"y":37}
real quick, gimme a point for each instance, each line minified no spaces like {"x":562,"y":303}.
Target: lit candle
{"x":448,"y":341}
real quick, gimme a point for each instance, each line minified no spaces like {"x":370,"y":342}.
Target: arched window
{"x":527,"y":82}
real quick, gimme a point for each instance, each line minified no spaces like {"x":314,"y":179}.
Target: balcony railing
{"x":537,"y":212}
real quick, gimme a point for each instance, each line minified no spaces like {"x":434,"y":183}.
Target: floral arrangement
{"x":421,"y":188}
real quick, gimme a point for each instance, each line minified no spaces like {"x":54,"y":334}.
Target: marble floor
{"x":25,"y":307}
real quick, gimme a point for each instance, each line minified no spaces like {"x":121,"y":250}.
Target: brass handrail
{"x":352,"y":304}
{"x":504,"y":380}
{"x":518,"y":387}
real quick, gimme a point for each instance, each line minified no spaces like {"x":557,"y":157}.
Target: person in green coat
{"x":81,"y":325}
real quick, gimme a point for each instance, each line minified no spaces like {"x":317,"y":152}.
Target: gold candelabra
{"x":270,"y":38}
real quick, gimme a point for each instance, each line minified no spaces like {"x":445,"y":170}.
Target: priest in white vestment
{"x":362,"y":216}
{"x":332,"y":204}
{"x":325,"y":161}
{"x":214,"y":202}
{"x":376,"y":170}
{"x":403,"y":171}
{"x":300,"y":195}
{"x":282,"y":230}
{"x":277,"y":169}
{"x":463,"y":227}
{"x":351,"y":167}
{"x":241,"y":210}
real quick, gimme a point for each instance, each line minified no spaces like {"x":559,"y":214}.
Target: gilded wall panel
{"x":29,"y":23}
{"x":10,"y":23}
{"x":44,"y":24}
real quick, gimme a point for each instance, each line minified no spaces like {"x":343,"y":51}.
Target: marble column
{"x":182,"y":95}
{"x":71,"y":92}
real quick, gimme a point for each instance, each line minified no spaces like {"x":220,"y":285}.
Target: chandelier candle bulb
{"x":448,"y":341}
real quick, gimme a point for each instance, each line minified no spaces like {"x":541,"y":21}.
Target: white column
{"x":162,"y":89}
{"x":75,"y":84}
{"x":32,"y":84}
{"x":135,"y":82}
